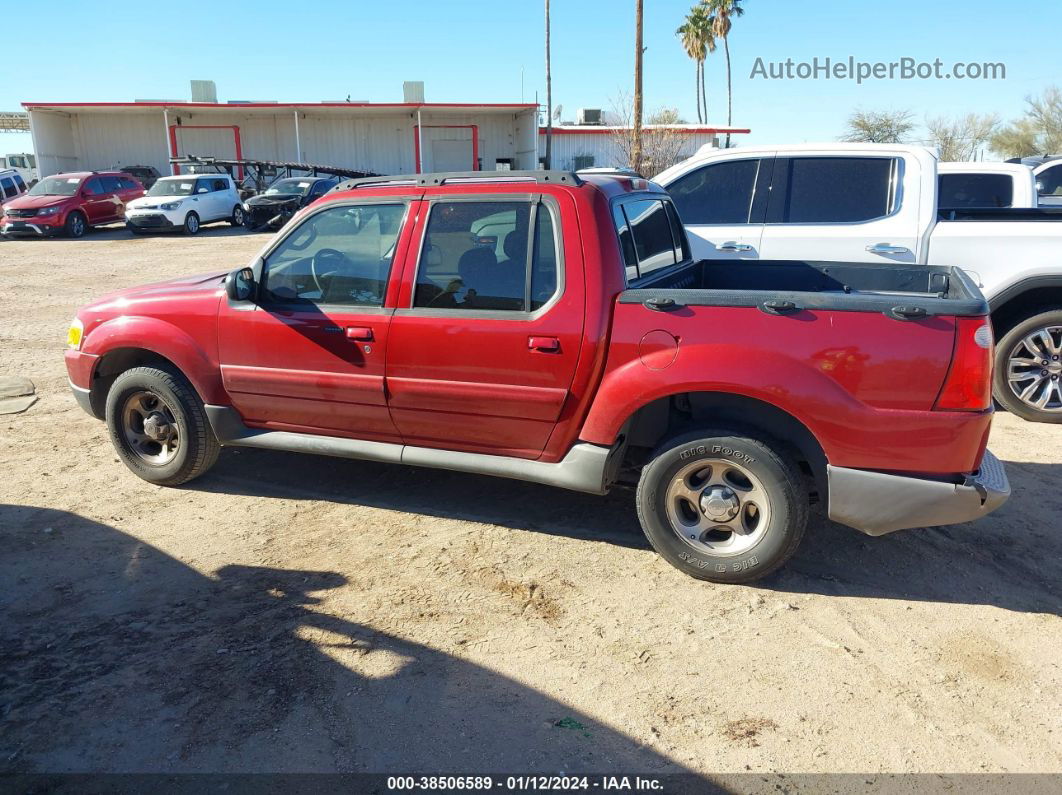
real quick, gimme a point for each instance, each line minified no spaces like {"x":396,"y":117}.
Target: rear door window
{"x":475,"y":257}
{"x":110,"y":184}
{"x":974,"y":190}
{"x":94,"y":187}
{"x":717,"y":194}
{"x":833,"y":190}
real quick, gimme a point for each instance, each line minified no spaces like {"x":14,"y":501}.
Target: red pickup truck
{"x":555,"y":329}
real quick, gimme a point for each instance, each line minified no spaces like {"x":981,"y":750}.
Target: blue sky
{"x":474,"y":50}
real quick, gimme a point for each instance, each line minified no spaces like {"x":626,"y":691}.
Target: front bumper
{"x":79,"y":369}
{"x":272,"y":216}
{"x":37,"y":227}
{"x":155,"y":219}
{"x":876,"y":503}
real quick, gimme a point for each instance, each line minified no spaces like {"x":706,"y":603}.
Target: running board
{"x":582,"y":469}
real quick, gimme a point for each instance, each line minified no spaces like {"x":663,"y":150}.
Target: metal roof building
{"x":586,"y":146}
{"x":387,"y":138}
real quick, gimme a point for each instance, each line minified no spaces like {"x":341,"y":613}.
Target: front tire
{"x":191,"y":224}
{"x":158,"y":426}
{"x":1027,"y":380}
{"x":238,"y":216}
{"x":722,"y":507}
{"x":75,"y":225}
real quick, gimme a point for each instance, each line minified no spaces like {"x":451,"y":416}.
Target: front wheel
{"x":75,"y":225}
{"x":239,"y":217}
{"x":722,"y":507}
{"x":191,"y":224}
{"x":158,"y":426}
{"x":1028,"y":368}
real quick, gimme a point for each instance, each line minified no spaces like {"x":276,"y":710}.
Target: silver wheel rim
{"x":239,"y":216}
{"x":193,"y":223}
{"x":718,"y":507}
{"x":1034,"y":369}
{"x":77,"y":226}
{"x":149,"y":428}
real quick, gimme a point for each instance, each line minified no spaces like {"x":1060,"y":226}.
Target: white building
{"x":587,"y":146}
{"x":386,"y":138}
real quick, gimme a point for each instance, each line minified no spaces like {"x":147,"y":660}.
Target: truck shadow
{"x":115,"y":656}
{"x":1011,"y":559}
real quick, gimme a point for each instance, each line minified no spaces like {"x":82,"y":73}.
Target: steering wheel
{"x":321,"y":260}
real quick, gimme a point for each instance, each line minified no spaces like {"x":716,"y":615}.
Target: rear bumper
{"x":876,"y":503}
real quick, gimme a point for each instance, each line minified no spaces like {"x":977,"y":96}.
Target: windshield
{"x":299,"y":187}
{"x":172,"y":187}
{"x":56,"y":186}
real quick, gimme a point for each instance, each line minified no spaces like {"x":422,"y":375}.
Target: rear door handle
{"x":359,"y":333}
{"x":885,"y":248}
{"x":733,"y":245}
{"x":544,"y":344}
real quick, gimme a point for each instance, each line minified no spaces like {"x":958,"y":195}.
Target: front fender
{"x":164,"y":339}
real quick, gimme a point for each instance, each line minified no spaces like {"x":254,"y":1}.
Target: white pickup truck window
{"x":833,"y":190}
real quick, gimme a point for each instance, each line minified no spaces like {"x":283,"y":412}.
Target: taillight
{"x":968,"y":386}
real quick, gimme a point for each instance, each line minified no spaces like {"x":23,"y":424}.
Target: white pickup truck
{"x":878,"y":203}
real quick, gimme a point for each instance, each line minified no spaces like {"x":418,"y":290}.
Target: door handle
{"x":359,"y":333}
{"x":733,"y":245}
{"x":544,"y":344}
{"x":885,"y":248}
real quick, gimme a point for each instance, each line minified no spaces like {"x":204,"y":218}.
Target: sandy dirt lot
{"x":293,"y":613}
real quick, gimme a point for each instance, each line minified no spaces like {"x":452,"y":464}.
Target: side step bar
{"x":582,"y":469}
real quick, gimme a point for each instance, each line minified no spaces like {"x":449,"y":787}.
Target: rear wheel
{"x":238,"y":216}
{"x":1028,"y":368}
{"x":722,"y":507}
{"x":75,"y":225}
{"x":191,"y":224}
{"x":158,"y":426}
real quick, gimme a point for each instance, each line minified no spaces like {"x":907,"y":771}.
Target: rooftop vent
{"x":204,"y":91}
{"x":413,"y":92}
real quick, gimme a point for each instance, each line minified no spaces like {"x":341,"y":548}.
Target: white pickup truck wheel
{"x":1028,"y":368}
{"x":722,"y":507}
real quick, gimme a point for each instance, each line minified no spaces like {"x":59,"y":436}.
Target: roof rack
{"x":461,"y":177}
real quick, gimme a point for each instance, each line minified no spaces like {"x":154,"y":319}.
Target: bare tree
{"x":636,"y":139}
{"x":663,"y":141}
{"x":960,"y":139}
{"x":1039,"y":132}
{"x":878,"y":127}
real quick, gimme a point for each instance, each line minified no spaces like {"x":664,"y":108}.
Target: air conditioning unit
{"x":589,"y":116}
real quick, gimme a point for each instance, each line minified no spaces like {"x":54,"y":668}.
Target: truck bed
{"x":905,"y":292}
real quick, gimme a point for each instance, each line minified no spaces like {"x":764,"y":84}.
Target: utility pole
{"x":636,"y":139}
{"x":549,"y":98}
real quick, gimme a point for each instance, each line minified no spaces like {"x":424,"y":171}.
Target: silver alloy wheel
{"x":192,"y":223}
{"x":150,"y":428}
{"x":237,"y":216}
{"x":718,"y":507}
{"x":1034,"y":369}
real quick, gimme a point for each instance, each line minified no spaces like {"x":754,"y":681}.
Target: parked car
{"x":275,"y":206}
{"x":595,"y":350}
{"x":145,"y":175}
{"x":185,"y":203}
{"x":11,"y":185}
{"x":977,"y":185}
{"x":871,"y":203}
{"x":1049,"y":183}
{"x":70,"y":204}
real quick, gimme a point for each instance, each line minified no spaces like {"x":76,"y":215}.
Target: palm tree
{"x":698,"y":40}
{"x":723,"y":12}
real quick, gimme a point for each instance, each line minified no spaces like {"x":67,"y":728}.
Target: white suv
{"x":185,"y":202}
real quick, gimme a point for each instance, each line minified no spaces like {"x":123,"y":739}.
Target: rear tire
{"x":238,"y":216}
{"x":191,"y":224}
{"x":1038,"y":341}
{"x":722,"y":507}
{"x":158,"y":426}
{"x":75,"y":225}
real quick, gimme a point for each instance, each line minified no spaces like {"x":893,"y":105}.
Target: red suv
{"x":70,"y":203}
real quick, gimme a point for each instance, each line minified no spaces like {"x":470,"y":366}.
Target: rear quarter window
{"x":650,"y":236}
{"x":974,"y":190}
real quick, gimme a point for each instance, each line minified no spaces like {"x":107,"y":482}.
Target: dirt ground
{"x":296,"y":613}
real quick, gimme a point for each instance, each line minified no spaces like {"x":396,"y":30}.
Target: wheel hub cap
{"x":156,"y":427}
{"x":720,"y":503}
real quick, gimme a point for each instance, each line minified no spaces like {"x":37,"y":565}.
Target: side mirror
{"x":240,"y":285}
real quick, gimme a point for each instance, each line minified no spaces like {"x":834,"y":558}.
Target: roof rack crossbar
{"x":451,"y":177}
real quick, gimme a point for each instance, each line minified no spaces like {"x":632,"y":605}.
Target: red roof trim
{"x":237,"y":105}
{"x":608,"y":130}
